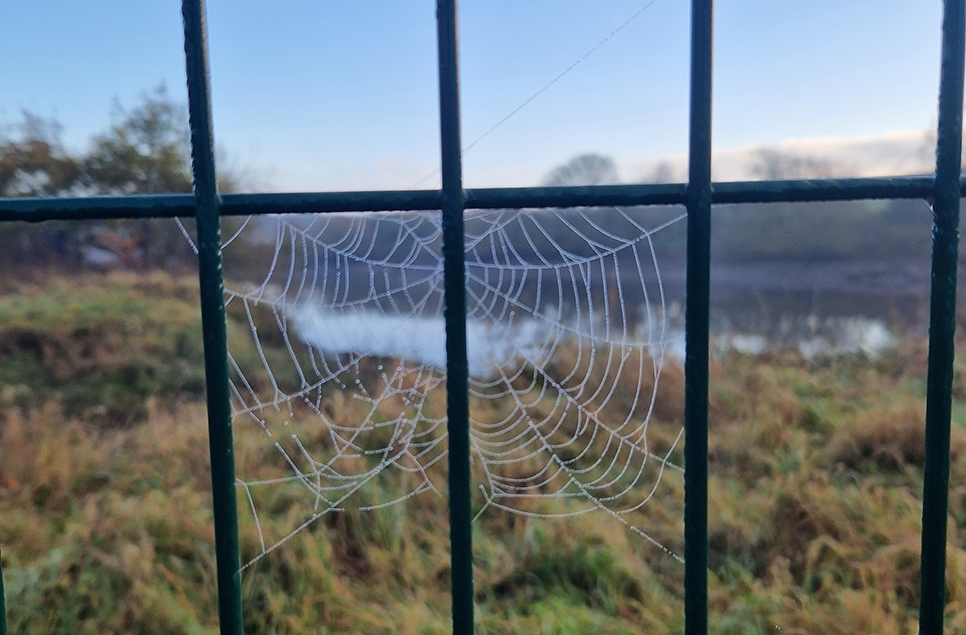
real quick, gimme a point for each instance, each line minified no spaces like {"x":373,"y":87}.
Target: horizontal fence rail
{"x":35,"y":210}
{"x":943,"y":190}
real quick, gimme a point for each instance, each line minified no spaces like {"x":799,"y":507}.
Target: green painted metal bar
{"x":696,"y":325}
{"x":328,"y":202}
{"x":823,"y":190}
{"x":33,"y":210}
{"x":454,"y":293}
{"x":785,"y":191}
{"x":942,"y":321}
{"x":3,"y":602}
{"x":173,"y":205}
{"x":570,"y":196}
{"x":213,"y":320}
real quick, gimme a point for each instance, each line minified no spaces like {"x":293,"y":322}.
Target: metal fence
{"x":943,"y":191}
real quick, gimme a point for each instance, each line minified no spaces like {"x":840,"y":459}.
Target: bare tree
{"x":145,"y":151}
{"x":33,"y":162}
{"x":775,"y":164}
{"x":663,"y":172}
{"x":927,"y":151}
{"x":584,"y":169}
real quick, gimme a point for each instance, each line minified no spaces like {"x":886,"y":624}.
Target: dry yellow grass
{"x":815,"y":492}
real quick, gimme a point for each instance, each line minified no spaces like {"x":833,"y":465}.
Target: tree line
{"x":145,"y":150}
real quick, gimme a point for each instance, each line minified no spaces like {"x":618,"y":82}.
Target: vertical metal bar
{"x":698,"y":200}
{"x":454,"y":280}
{"x":942,"y":322}
{"x":213,"y":319}
{"x":3,"y":603}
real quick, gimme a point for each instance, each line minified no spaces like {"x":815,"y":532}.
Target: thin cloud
{"x":897,"y":153}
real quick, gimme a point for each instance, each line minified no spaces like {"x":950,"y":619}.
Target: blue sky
{"x":341,"y":94}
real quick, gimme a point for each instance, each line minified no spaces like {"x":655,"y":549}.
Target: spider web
{"x":341,"y":373}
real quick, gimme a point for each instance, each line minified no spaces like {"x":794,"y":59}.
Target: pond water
{"x":419,"y":339}
{"x":857,"y":304}
{"x":860,"y":308}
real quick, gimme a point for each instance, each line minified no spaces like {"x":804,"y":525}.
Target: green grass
{"x":105,"y":516}
{"x":101,"y":350}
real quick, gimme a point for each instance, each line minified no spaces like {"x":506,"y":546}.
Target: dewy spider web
{"x":343,"y":372}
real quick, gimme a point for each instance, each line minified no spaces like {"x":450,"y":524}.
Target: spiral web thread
{"x":568,"y":339}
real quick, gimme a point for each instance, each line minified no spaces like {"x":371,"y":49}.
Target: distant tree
{"x":927,"y":152}
{"x":33,"y":162}
{"x":663,"y":172}
{"x":584,"y":169}
{"x":794,"y":230}
{"x":775,"y":164}
{"x":146,"y":150}
{"x":564,"y":230}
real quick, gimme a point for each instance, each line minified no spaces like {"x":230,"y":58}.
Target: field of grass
{"x":105,"y":520}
